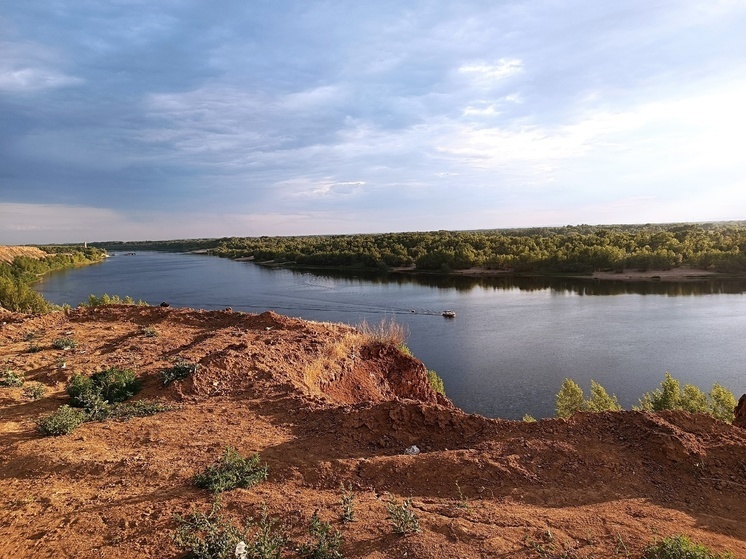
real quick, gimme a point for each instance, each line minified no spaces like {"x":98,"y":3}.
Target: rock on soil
{"x":325,"y":407}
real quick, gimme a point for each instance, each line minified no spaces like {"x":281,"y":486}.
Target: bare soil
{"x":325,"y":406}
{"x":9,"y":253}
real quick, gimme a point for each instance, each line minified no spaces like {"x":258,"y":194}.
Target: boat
{"x":449,"y":314}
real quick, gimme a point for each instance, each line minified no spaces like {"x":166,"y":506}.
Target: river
{"x":512,"y":343}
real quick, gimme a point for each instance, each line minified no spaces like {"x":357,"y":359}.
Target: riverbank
{"x":326,"y":408}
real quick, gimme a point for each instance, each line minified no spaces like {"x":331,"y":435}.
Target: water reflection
{"x":574,"y":285}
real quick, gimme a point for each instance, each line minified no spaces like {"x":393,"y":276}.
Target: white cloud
{"x":29,"y":67}
{"x":504,"y":68}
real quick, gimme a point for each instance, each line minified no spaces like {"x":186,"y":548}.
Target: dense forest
{"x":16,"y":293}
{"x":580,"y":249}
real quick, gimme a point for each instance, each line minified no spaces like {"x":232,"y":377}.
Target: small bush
{"x":528,"y":418}
{"x":181,"y":370}
{"x":63,"y":421}
{"x":64,"y":343}
{"x":348,"y":504}
{"x":326,"y":544}
{"x":110,"y":386}
{"x":681,"y":547}
{"x":232,"y":471}
{"x":436,"y":382}
{"x":403,"y":520}
{"x":34,"y":392}
{"x":10,"y":379}
{"x":208,"y":536}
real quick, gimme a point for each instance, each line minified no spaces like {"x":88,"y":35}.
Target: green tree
{"x":600,"y":399}
{"x":570,"y":399}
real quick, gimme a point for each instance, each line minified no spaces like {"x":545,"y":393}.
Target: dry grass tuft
{"x":388,"y":331}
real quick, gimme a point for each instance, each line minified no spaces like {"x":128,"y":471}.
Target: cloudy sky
{"x":160,"y":119}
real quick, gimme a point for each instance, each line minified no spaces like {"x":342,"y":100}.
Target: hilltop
{"x":325,"y":405}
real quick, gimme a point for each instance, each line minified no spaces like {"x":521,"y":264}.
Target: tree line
{"x":580,"y":249}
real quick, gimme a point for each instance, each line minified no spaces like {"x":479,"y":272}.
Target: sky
{"x":166,"y":119}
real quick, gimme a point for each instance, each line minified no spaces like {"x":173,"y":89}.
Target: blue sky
{"x":165,"y":119}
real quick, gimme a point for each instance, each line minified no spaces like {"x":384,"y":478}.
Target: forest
{"x":581,"y":249}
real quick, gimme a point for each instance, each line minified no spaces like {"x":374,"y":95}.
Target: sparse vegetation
{"x":232,"y":471}
{"x":436,"y":382}
{"x":64,"y":343}
{"x":326,"y":541}
{"x":62,"y":422}
{"x":149,"y":332}
{"x":34,"y":391}
{"x":402,"y":517}
{"x":10,"y":379}
{"x":528,"y":418}
{"x":211,"y":536}
{"x":681,"y":547}
{"x":208,"y":536}
{"x":348,"y":504}
{"x":181,"y":370}
{"x":106,"y":299}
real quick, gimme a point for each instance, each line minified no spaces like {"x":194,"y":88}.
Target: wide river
{"x":512,"y":342}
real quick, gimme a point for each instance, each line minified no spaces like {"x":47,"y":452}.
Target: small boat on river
{"x":449,"y":314}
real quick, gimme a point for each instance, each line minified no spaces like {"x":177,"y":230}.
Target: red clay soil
{"x":326,"y":406}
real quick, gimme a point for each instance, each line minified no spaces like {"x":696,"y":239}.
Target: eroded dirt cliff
{"x":326,"y":406}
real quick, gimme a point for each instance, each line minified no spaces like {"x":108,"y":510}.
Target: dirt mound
{"x":326,"y":406}
{"x":9,"y":253}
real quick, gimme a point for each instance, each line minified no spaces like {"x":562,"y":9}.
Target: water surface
{"x":512,"y":343}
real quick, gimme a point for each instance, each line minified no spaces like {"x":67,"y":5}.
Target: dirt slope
{"x":323,"y":407}
{"x":9,"y":253}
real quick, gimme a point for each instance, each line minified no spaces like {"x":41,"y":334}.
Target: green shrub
{"x":681,"y":547}
{"x":10,"y":379}
{"x":719,"y":403}
{"x":181,"y":370}
{"x":232,"y":471}
{"x":402,"y":517}
{"x":34,"y":392}
{"x":208,"y":536}
{"x":436,"y":382}
{"x":64,"y":343}
{"x":111,"y":385}
{"x":570,"y":399}
{"x":17,"y":296}
{"x":528,"y":418}
{"x":63,"y":421}
{"x":326,"y":542}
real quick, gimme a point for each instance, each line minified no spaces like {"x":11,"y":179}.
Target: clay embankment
{"x":325,"y":407}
